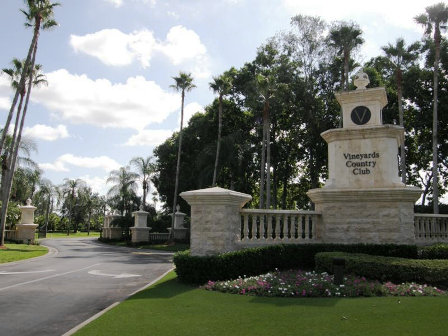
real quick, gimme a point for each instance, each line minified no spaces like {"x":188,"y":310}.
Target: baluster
{"x":307,"y":227}
{"x":285,"y":226}
{"x":246,"y":229}
{"x":295,"y":230}
{"x":277,"y":226}
{"x":313,"y":227}
{"x":268,"y":227}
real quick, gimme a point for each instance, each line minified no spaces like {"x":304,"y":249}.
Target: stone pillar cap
{"x":215,"y":195}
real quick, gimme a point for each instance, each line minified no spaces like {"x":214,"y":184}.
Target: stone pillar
{"x":140,"y":232}
{"x":115,"y":232}
{"x":106,"y":231}
{"x":215,"y":219}
{"x":26,"y":230}
{"x":180,"y":233}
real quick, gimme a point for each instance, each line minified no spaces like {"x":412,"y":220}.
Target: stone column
{"x":115,"y":232}
{"x":180,"y":232}
{"x":106,"y":232}
{"x":26,"y":230}
{"x":140,"y":232}
{"x":215,"y":219}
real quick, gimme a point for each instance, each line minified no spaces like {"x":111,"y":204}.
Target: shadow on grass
{"x":288,"y":302}
{"x":165,"y":289}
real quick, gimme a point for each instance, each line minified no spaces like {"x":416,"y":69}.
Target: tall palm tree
{"x":39,"y":14}
{"x":220,"y":85}
{"x":436,"y":17}
{"x":266,"y":87}
{"x":345,"y":37}
{"x":46,"y":189}
{"x":11,"y":148}
{"x":399,"y":57}
{"x":145,"y":169}
{"x":124,"y":186}
{"x":184,"y":83}
{"x":71,"y":186}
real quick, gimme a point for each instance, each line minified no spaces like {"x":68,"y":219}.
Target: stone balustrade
{"x":429,"y":228}
{"x":264,"y":227}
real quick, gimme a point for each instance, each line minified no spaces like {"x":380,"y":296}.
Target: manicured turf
{"x":169,"y":308}
{"x":15,"y":252}
{"x":78,"y":234}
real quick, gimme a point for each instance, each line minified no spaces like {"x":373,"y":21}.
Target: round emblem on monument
{"x":361,"y":115}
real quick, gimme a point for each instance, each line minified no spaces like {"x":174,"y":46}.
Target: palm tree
{"x":184,"y":83}
{"x":124,"y":186}
{"x":71,"y":186}
{"x":345,"y":37}
{"x":40,"y":16}
{"x":10,"y":151}
{"x":220,"y":85}
{"x":145,"y":169}
{"x":400,"y":57}
{"x":46,"y":189}
{"x":434,"y":19}
{"x":266,"y":87}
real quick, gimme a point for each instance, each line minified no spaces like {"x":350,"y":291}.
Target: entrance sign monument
{"x":364,"y":200}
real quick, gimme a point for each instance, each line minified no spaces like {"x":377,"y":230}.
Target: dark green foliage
{"x":383,"y":268}
{"x":436,"y":251}
{"x":255,"y":261}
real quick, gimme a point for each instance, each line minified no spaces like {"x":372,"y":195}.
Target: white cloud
{"x":119,"y":3}
{"x":102,"y":162}
{"x":115,"y":48}
{"x":189,"y":111}
{"x":5,"y":91}
{"x":182,"y":45}
{"x":48,"y":133}
{"x":353,"y":9}
{"x":149,"y":138}
{"x":116,"y":3}
{"x":81,"y":100}
{"x":98,"y":184}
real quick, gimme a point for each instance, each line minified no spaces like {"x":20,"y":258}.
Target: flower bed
{"x":297,"y":283}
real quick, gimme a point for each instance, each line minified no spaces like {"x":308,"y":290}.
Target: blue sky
{"x":110,"y":64}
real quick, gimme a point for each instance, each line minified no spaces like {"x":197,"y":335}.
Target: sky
{"x":109,"y":66}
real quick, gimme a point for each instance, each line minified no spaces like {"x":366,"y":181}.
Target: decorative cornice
{"x":385,"y":131}
{"x":363,"y":96}
{"x":215,"y":196}
{"x":404,"y":194}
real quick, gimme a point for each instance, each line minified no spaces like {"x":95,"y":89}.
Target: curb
{"x":94,"y":317}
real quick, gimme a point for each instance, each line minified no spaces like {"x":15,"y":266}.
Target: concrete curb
{"x":51,"y":252}
{"x":94,"y":317}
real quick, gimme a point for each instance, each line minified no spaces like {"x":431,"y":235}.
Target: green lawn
{"x":78,"y":234}
{"x":170,"y":308}
{"x":15,"y":252}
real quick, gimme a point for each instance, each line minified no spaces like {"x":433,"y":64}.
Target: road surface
{"x":79,"y":278}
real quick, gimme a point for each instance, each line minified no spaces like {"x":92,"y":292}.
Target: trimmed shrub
{"x":387,"y":268}
{"x":436,"y":251}
{"x":259,"y":260}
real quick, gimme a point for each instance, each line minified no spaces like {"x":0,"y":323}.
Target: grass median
{"x":171,"y":308}
{"x":16,"y":252}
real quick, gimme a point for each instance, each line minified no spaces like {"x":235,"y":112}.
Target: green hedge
{"x":436,"y":251}
{"x":387,"y":268}
{"x":259,"y":260}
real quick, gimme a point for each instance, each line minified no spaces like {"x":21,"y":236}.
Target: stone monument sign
{"x":364,"y":200}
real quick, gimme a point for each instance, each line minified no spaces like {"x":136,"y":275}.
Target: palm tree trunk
{"x":176,"y":186}
{"x":218,"y":146}
{"x":263,"y":164}
{"x":400,"y":115}
{"x":435,"y":179}
{"x":268,"y":159}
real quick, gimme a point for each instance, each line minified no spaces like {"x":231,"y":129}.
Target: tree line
{"x":261,"y":135}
